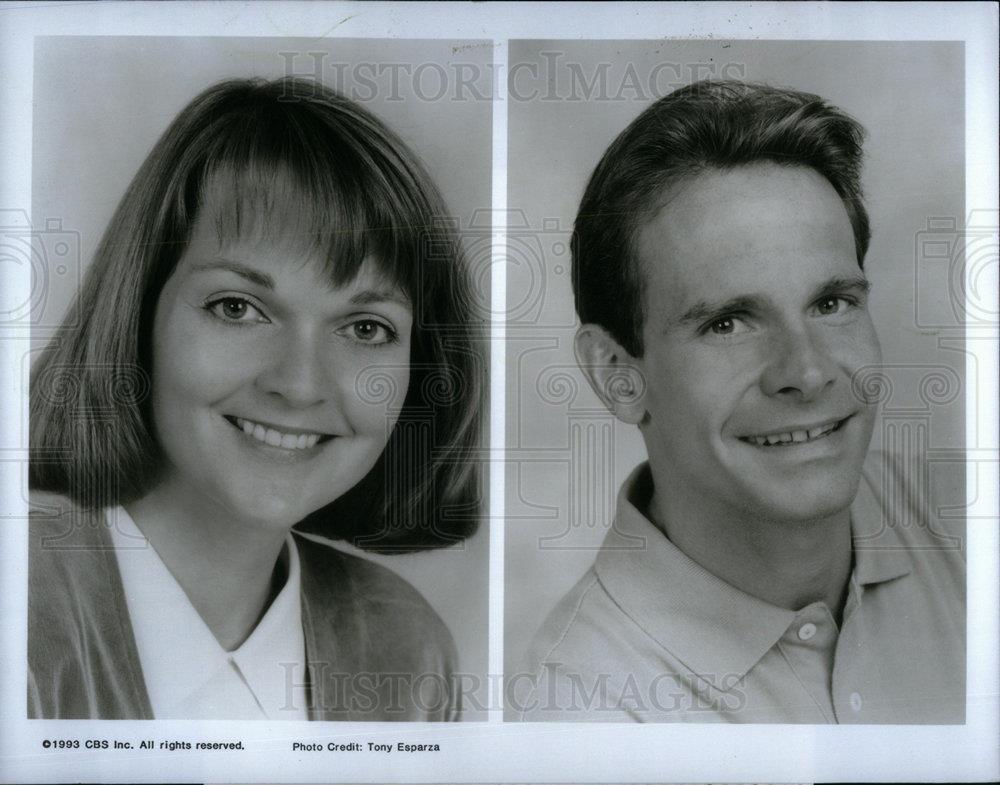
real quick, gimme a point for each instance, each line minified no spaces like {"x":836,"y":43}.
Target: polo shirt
{"x":648,"y":635}
{"x":187,"y":672}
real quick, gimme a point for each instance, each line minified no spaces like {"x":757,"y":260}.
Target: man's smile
{"x":795,"y":434}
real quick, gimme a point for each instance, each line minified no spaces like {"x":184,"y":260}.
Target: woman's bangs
{"x":300,"y":199}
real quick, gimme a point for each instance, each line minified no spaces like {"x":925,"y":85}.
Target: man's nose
{"x":800,"y":367}
{"x":296,"y":368}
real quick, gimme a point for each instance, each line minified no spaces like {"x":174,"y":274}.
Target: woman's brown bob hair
{"x":270,"y":153}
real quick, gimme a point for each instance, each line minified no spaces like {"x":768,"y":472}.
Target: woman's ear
{"x":613,"y":373}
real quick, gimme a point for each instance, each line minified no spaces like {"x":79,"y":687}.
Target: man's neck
{"x":789,"y":564}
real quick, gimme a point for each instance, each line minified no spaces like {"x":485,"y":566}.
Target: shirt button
{"x":855,"y":702}
{"x":806,"y":631}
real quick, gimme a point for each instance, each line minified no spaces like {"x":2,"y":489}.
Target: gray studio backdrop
{"x":100,"y":103}
{"x":566,"y":457}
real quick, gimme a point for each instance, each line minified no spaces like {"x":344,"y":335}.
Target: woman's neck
{"x":226,"y":567}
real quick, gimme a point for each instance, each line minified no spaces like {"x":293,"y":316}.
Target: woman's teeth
{"x":794,"y":437}
{"x":289,"y":441}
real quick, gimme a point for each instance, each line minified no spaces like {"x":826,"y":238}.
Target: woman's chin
{"x":269,"y":511}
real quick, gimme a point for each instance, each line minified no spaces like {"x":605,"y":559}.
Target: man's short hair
{"x":706,"y":125}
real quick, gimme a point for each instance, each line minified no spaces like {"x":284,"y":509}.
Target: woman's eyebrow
{"x":262,"y":279}
{"x":254,"y":276}
{"x":370,"y":296}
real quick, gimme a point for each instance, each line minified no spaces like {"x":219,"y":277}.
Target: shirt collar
{"x":879,"y":553}
{"x":176,"y":666}
{"x":276,"y":646}
{"x":716,"y":630}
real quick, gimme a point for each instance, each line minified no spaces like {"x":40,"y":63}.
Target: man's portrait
{"x":785,"y":544}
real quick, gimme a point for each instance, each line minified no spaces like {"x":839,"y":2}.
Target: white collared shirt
{"x":188,"y":674}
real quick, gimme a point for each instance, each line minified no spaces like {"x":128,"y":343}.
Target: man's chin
{"x":806,"y":499}
{"x":789,"y":483}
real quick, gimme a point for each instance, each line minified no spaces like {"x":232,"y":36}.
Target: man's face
{"x":755,"y":321}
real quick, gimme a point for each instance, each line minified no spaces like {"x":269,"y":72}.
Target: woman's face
{"x":273,"y":391}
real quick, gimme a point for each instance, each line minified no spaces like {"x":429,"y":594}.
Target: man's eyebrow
{"x":254,"y":276}
{"x":851,"y":283}
{"x":705,"y":310}
{"x":701,"y":311}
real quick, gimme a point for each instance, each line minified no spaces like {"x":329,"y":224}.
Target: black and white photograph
{"x":741,"y":263}
{"x":499,"y":392}
{"x":275,"y":348}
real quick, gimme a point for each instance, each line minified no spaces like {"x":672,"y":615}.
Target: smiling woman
{"x":258,"y":350}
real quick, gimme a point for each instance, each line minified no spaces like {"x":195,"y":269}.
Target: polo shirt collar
{"x":879,"y":554}
{"x":716,"y":630}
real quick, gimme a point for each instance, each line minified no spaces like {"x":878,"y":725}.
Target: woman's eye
{"x":371,"y":331}
{"x":236,"y":309}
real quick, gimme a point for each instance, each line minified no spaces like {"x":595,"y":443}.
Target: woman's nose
{"x":800,"y":367}
{"x":295,"y":368}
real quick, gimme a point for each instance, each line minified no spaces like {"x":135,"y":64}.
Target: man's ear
{"x":613,"y":373}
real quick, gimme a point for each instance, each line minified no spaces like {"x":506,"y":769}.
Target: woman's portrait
{"x":267,"y":393}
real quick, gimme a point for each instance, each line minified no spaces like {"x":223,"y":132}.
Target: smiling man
{"x":757,"y":570}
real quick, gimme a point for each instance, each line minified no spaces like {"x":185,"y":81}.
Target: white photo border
{"x":497,"y":751}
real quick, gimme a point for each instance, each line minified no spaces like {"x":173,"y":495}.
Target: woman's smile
{"x":286,"y":437}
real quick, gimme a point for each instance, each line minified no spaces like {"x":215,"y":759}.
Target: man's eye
{"x":727,"y":325}
{"x":235,"y":309}
{"x":828,"y":306}
{"x":371,"y":331}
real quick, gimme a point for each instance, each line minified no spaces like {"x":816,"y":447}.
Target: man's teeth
{"x":794,"y":436}
{"x":289,"y":441}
